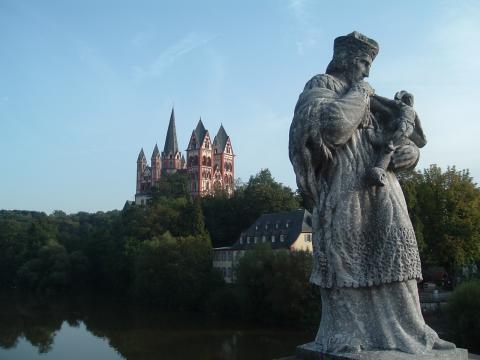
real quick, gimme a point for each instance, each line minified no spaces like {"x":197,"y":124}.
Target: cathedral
{"x":209,"y":164}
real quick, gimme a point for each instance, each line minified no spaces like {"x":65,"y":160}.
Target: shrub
{"x":463,"y":312}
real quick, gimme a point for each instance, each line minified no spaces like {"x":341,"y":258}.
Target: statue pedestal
{"x":309,"y":351}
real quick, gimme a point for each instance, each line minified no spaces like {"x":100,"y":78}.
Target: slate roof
{"x":289,"y":224}
{"x":171,"y":144}
{"x":128,"y":203}
{"x":220,"y":140}
{"x":200,"y":133}
{"x":141,"y":156}
{"x":155,"y":151}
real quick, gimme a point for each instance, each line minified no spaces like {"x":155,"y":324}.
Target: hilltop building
{"x":209,"y":165}
{"x":285,"y":230}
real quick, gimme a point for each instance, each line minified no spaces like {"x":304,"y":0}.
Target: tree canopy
{"x":445,"y":210}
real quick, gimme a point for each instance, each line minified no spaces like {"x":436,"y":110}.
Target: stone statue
{"x":366,"y":259}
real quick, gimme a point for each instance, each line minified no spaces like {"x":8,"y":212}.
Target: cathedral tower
{"x":141,"y":167}
{"x":199,"y":161}
{"x":171,"y":157}
{"x":156,"y":165}
{"x":223,"y":169}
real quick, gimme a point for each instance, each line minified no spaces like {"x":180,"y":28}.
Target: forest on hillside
{"x":162,"y":253}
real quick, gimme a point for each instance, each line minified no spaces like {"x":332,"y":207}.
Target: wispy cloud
{"x":309,"y":34}
{"x":143,"y":38}
{"x":168,"y":57}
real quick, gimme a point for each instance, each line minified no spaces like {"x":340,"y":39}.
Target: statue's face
{"x":408,"y":99}
{"x":360,"y":67}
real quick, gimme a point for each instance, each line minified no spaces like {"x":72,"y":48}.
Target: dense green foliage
{"x":445,"y":211}
{"x":272,"y":287}
{"x":141,"y":251}
{"x":463,"y":313}
{"x":277,"y":287}
{"x":160,"y":254}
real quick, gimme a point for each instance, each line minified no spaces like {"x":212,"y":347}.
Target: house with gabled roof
{"x":290,"y":230}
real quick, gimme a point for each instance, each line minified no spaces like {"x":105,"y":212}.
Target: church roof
{"x":200,"y":132}
{"x":141,"y":156}
{"x":171,"y":144}
{"x":155,"y":151}
{"x":220,"y":140}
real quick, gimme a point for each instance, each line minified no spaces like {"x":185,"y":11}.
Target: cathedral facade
{"x":209,"y":164}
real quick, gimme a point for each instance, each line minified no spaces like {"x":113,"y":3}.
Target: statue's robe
{"x":366,"y":258}
{"x":363,"y":235}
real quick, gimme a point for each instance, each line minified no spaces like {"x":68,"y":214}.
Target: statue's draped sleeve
{"x":325,"y":117}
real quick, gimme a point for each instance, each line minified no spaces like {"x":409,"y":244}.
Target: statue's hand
{"x":405,"y":157}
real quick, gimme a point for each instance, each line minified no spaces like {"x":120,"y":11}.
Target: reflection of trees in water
{"x":37,"y":324}
{"x":141,"y":333}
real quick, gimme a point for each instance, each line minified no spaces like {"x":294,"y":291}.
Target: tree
{"x":276,"y":286}
{"x":174,"y":272}
{"x":445,"y":211}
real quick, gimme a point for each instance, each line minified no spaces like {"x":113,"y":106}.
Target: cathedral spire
{"x":220,"y":140}
{"x":200,"y":132}
{"x":171,"y":145}
{"x":141,"y":157}
{"x":155,"y":152}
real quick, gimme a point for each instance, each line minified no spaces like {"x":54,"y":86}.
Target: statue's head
{"x":405,"y":97}
{"x":352,"y":56}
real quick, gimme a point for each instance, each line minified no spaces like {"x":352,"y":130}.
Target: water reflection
{"x":114,"y":331}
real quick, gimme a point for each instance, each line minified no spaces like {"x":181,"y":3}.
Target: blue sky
{"x":85,"y":84}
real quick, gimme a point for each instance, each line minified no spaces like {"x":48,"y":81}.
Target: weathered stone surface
{"x":366,"y":259}
{"x":309,"y":352}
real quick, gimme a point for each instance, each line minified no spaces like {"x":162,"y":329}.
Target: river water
{"x":99,"y":329}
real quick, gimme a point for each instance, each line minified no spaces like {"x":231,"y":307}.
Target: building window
{"x":248,"y":240}
{"x":308,"y":237}
{"x":256,"y":239}
{"x":273,"y":238}
{"x":264,"y":238}
{"x":282,"y":238}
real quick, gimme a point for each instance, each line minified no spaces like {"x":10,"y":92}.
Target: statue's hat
{"x":355,"y":43}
